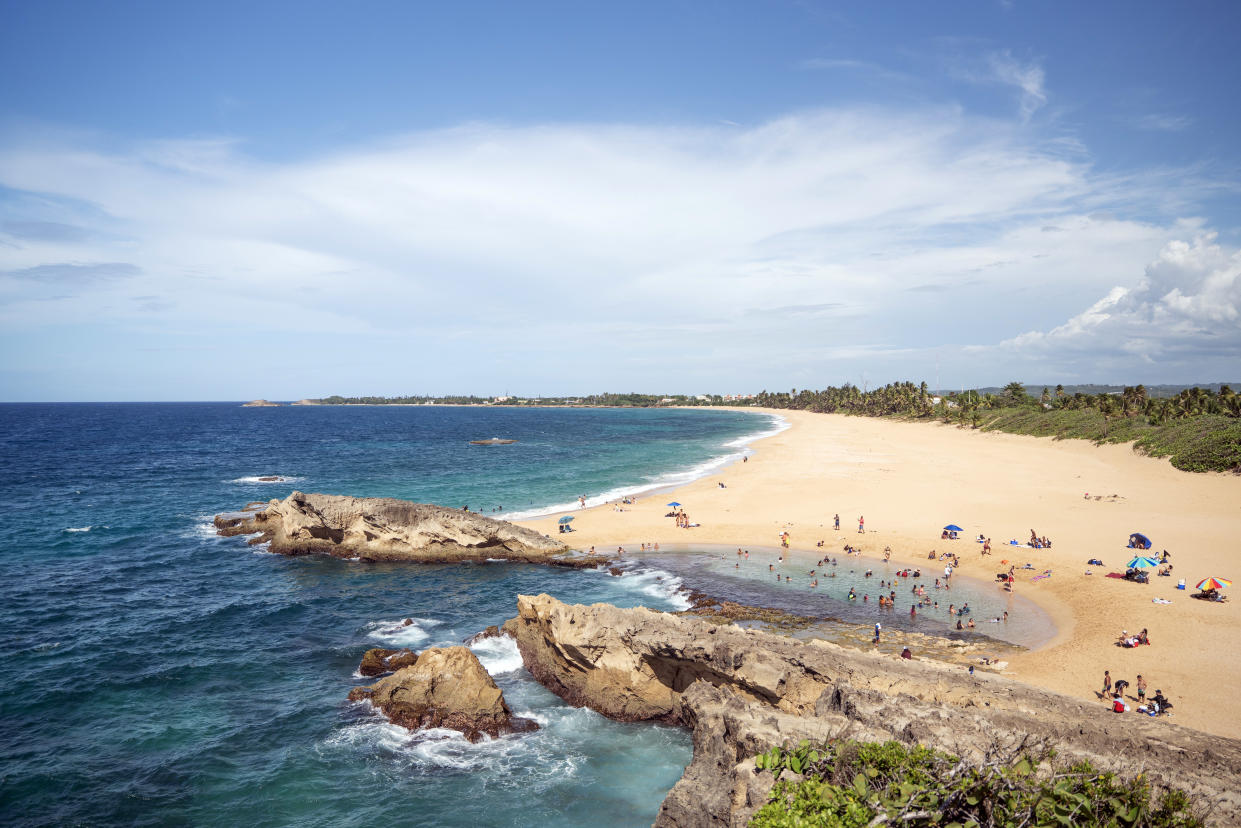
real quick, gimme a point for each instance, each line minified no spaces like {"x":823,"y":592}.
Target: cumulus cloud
{"x":1186,"y":305}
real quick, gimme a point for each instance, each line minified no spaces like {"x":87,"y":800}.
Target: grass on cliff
{"x":1204,"y":443}
{"x":848,"y":784}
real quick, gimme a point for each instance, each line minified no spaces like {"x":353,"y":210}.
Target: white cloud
{"x":579,"y":249}
{"x":1028,"y":77}
{"x":1165,"y":123}
{"x":1187,"y":306}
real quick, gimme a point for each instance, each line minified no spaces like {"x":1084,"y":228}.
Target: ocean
{"x":153,"y":673}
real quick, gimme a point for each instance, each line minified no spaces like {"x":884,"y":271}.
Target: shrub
{"x":849,"y":784}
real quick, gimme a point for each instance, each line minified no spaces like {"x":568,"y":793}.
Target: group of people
{"x":1039,"y":542}
{"x":1114,"y":693}
{"x":1127,"y":640}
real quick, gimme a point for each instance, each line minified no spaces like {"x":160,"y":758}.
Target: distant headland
{"x":1197,"y":427}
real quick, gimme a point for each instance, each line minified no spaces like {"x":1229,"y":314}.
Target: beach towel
{"x":1041,"y":577}
{"x":1116,"y":575}
{"x":1160,"y":601}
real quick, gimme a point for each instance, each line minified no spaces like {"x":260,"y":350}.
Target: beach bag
{"x":1118,"y":706}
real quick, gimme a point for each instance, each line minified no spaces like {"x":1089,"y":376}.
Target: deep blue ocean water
{"x":152,"y":673}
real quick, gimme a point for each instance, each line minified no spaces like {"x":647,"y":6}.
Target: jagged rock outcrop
{"x":386,"y":529}
{"x":444,"y":687}
{"x":379,"y":660}
{"x":740,"y":691}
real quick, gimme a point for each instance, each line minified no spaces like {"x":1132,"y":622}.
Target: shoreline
{"x":912,"y":478}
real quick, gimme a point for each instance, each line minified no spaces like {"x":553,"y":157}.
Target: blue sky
{"x":228,"y":200}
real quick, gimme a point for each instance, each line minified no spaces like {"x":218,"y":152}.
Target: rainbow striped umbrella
{"x":1213,"y":583}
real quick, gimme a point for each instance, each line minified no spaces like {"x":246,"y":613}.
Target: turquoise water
{"x":152,"y":673}
{"x":752,"y":581}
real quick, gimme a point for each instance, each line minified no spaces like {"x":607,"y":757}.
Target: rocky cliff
{"x":444,"y":687}
{"x":741,"y":691}
{"x":385,"y":529}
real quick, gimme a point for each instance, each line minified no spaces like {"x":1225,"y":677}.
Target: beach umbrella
{"x":952,"y":527}
{"x":566,"y":519}
{"x":1142,"y":563}
{"x":674,"y":504}
{"x":1213,"y":583}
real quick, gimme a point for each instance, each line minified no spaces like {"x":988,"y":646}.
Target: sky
{"x":232,"y":200}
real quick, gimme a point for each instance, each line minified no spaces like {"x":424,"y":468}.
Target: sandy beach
{"x":910,"y":479}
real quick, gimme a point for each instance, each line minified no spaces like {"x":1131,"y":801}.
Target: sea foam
{"x":498,"y":654}
{"x":399,"y":633}
{"x":273,"y":479}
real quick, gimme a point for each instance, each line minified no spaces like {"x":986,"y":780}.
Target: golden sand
{"x":910,"y":479}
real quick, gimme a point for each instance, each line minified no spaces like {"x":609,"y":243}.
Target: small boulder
{"x":379,"y":661}
{"x":444,"y":687}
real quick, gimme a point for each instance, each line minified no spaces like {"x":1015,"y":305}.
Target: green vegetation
{"x":1197,"y":428}
{"x":848,"y":784}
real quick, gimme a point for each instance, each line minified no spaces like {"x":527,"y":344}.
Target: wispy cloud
{"x":567,"y":246}
{"x":1165,"y":123}
{"x":67,"y":273}
{"x":1028,"y":77}
{"x":836,"y":63}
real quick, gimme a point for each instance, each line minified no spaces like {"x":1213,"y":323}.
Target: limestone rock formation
{"x":385,"y":529}
{"x":378,"y":660}
{"x":260,"y":404}
{"x":306,"y":402}
{"x":741,"y":691}
{"x":444,"y":687}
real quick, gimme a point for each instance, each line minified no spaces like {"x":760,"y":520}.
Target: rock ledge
{"x":386,"y":529}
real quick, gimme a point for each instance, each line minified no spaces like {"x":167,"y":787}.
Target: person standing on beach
{"x":1141,"y":689}
{"x":837,"y":523}
{"x":1107,"y":684}
{"x":861,"y":525}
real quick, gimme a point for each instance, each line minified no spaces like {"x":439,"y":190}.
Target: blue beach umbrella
{"x":566,"y":519}
{"x":674,"y":504}
{"x":1142,"y":562}
{"x":952,"y":527}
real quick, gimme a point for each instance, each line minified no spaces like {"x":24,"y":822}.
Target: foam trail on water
{"x":267,"y":479}
{"x":664,"y":587}
{"x":401,"y":634}
{"x":79,"y":529}
{"x":665,"y":481}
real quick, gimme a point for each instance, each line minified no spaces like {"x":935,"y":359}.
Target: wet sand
{"x":910,"y":479}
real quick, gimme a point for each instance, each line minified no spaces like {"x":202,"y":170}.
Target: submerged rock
{"x":445,"y":687}
{"x":741,"y":691}
{"x":386,"y":529}
{"x":491,"y":632}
